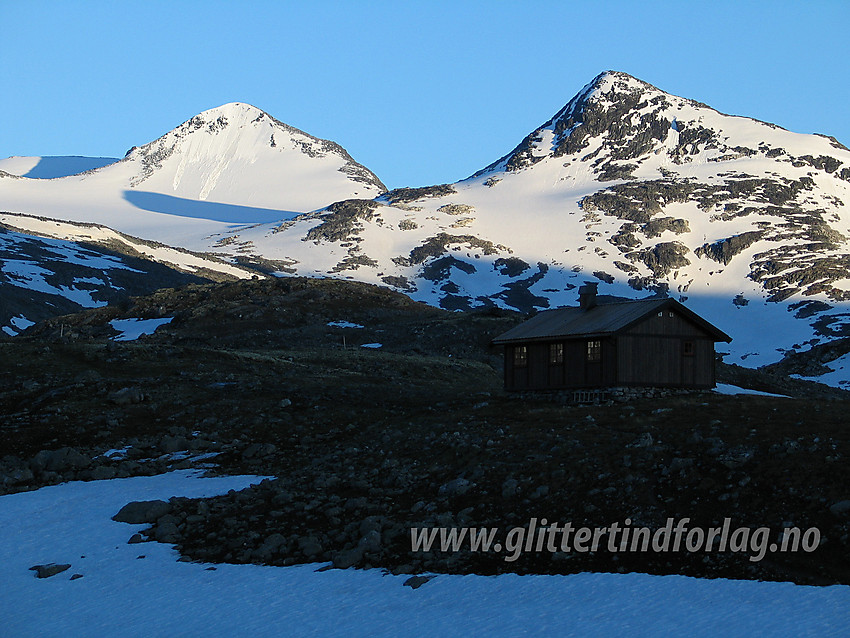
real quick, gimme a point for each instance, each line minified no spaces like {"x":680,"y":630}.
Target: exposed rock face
{"x":407,"y":195}
{"x":341,"y":220}
{"x":723,"y":250}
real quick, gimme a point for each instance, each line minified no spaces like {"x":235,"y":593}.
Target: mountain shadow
{"x":52,"y":167}
{"x":215,"y":211}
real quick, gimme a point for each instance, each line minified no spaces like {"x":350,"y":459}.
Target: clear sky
{"x":419,"y":92}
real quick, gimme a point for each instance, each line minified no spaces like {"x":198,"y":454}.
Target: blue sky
{"x":419,"y":92}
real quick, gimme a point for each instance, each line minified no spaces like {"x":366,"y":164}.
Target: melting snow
{"x":725,"y":388}
{"x":132,"y":329}
{"x":21,"y":323}
{"x":344,"y":324}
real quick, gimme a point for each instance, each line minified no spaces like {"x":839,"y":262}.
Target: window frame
{"x":520,"y":356}
{"x":593,"y":351}
{"x":556,"y":354}
{"x":688,"y":348}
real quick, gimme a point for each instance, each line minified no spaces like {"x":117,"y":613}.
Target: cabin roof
{"x":603,"y":319}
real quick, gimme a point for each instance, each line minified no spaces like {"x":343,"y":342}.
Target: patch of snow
{"x":117,"y":453}
{"x":142,"y":590}
{"x":50,"y":167}
{"x":90,"y":280}
{"x":21,"y":323}
{"x":372,"y":345}
{"x":725,"y":388}
{"x":132,"y":329}
{"x":28,"y":274}
{"x":344,"y":324}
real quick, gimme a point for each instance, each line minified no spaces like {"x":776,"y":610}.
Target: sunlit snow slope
{"x":230,"y":165}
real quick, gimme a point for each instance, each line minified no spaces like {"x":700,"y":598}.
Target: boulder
{"x":348,"y":558}
{"x":142,"y":512}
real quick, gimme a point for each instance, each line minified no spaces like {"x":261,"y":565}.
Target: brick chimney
{"x":587,"y":295}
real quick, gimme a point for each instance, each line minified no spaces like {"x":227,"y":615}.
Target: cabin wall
{"x":573,"y":372}
{"x":653,"y":353}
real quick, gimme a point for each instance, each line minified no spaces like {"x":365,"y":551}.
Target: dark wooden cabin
{"x":646,"y":343}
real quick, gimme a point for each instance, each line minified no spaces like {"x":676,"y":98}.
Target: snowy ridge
{"x":177,"y":258}
{"x":50,"y":268}
{"x":210,"y":157}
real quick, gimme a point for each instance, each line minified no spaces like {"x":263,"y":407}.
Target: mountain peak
{"x":620,"y":118}
{"x":225,"y":144}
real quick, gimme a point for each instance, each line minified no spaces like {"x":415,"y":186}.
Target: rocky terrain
{"x":363,"y":443}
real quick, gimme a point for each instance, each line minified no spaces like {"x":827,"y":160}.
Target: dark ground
{"x":366,"y":444}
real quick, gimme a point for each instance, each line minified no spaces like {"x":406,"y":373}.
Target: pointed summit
{"x":238,"y":148}
{"x":624,"y":114}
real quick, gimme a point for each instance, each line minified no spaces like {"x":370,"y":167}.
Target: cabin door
{"x":593,"y":363}
{"x":688,"y":363}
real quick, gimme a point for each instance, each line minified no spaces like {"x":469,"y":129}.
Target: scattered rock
{"x":61,"y":460}
{"x":50,"y":569}
{"x":348,"y":558}
{"x":103,"y":472}
{"x":415,"y":582}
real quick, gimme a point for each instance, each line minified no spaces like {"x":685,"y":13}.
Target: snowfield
{"x":142,"y":590}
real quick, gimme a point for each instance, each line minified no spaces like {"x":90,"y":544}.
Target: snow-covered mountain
{"x":646,"y":192}
{"x":233,"y":164}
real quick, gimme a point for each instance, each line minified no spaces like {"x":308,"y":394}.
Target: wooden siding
{"x":665,"y":325}
{"x":575,"y":371}
{"x":660,"y":361}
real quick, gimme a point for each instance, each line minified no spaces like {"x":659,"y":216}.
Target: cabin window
{"x":688,"y":348}
{"x":594,"y":350}
{"x":660,"y":313}
{"x":670,"y":314}
{"x":520,"y":356}
{"x":556,"y":353}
